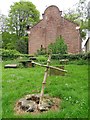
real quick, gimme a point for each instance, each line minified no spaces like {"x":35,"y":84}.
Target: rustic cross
{"x":45,"y":75}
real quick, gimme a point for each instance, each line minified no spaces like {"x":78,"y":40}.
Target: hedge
{"x":11,"y":54}
{"x":83,"y":56}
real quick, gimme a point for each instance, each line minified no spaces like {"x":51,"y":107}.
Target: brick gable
{"x":50,"y":27}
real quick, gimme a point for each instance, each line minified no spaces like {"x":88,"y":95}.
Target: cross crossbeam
{"x":49,"y":66}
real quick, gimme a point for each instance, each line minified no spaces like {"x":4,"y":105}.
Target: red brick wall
{"x":50,"y":27}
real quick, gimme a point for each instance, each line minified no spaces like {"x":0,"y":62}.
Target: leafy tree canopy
{"x":22,"y":14}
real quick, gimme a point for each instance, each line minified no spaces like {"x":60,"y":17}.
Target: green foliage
{"x":21,"y":14}
{"x":59,"y":46}
{"x":22,"y":45}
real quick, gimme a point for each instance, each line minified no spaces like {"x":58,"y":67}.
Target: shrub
{"x":41,"y":51}
{"x":58,"y":47}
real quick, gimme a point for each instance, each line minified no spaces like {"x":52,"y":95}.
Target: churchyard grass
{"x":72,"y":89}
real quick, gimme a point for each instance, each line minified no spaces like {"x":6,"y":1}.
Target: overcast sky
{"x":40,"y":4}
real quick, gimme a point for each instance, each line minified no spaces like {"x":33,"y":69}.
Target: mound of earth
{"x":30,"y":104}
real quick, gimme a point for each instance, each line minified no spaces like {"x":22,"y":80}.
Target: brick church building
{"x":50,"y":27}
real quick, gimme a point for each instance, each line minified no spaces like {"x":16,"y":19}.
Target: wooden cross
{"x":45,"y":75}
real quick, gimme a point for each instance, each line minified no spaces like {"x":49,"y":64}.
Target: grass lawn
{"x":72,"y":89}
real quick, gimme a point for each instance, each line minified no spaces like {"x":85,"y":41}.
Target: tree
{"x":88,"y":16}
{"x":9,"y":40}
{"x":3,"y":21}
{"x":21,"y":14}
{"x":22,"y":44}
{"x":13,"y":30}
{"x":72,"y":15}
{"x":59,"y":46}
{"x":79,"y":15}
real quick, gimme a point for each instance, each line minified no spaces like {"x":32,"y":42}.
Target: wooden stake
{"x":44,"y":80}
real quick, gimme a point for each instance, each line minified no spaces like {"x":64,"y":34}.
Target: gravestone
{"x":27,"y":63}
{"x":64,"y":61}
{"x":57,"y":72}
{"x":11,"y":66}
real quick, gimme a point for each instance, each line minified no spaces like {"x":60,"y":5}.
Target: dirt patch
{"x":30,"y":104}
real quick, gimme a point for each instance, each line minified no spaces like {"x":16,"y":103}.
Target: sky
{"x":41,"y":5}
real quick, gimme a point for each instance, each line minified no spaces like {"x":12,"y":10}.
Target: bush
{"x":58,"y":47}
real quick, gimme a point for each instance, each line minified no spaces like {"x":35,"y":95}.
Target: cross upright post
{"x":44,"y":79}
